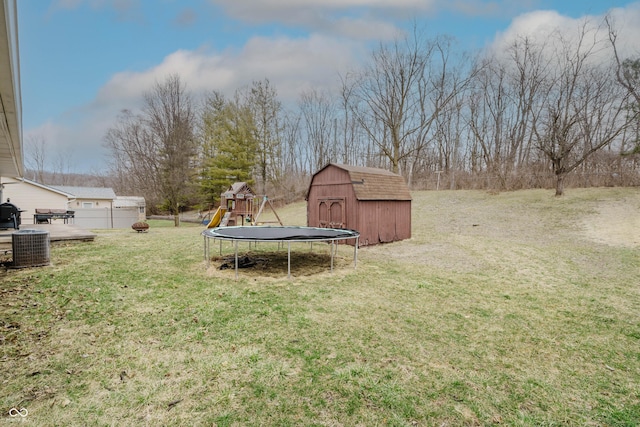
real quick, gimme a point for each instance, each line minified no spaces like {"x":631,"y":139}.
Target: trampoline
{"x":281,"y":234}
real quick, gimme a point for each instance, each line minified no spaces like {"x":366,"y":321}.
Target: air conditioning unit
{"x":30,"y":248}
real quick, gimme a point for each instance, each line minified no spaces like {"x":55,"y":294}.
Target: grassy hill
{"x":502,"y":309}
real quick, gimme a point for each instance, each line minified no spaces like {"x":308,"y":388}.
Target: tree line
{"x":540,"y":113}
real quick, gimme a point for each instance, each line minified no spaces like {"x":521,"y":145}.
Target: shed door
{"x":331,"y":213}
{"x":387,"y":222}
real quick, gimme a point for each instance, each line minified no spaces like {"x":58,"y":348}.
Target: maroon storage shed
{"x":375,"y":202}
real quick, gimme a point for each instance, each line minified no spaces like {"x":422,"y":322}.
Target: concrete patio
{"x":57,"y":233}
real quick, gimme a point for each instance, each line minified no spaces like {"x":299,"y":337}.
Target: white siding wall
{"x":95,"y":203}
{"x":28,"y":197}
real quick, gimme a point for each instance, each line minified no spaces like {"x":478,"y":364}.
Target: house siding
{"x":96,"y":204}
{"x":28,"y":198}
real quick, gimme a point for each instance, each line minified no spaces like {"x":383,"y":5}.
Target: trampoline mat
{"x":267,"y":233}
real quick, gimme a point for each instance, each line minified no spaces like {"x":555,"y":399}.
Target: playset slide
{"x":217,"y":217}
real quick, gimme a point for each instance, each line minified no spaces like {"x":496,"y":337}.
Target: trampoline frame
{"x":213,"y":233}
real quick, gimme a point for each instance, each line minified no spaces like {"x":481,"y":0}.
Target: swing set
{"x":237,"y":207}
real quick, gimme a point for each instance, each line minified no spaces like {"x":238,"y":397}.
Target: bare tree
{"x":400,"y":94}
{"x":318,"y":114}
{"x":583,"y":108}
{"x":390,"y":91}
{"x":627,"y":75}
{"x":262,"y":99}
{"x":154,"y":150}
{"x":293,"y":157}
{"x":446,"y":81}
{"x":295,"y":176}
{"x":134,"y":163}
{"x":170,"y":118}
{"x":503,"y":104}
{"x":355,"y":144}
{"x":36,"y":157}
{"x":449,"y":130}
{"x":527,"y":78}
{"x":55,"y":168}
{"x":62,"y":168}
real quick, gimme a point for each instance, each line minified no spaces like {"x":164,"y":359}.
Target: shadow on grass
{"x":275,"y":264}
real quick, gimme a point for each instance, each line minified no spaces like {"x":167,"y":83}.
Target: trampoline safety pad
{"x":281,"y":234}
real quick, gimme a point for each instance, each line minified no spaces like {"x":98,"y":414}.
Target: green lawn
{"x":510,"y":309}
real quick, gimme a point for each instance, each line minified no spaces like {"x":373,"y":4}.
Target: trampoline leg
{"x":331,"y":248}
{"x":289,"y":261}
{"x":206,"y":251}
{"x":236,"y":242}
{"x":355,"y":254}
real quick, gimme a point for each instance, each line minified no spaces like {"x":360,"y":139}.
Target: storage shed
{"x":375,"y":202}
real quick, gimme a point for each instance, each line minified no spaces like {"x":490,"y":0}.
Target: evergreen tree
{"x":230,"y":146}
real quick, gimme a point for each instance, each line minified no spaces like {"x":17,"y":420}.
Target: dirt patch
{"x":615,"y":223}
{"x":275,"y":264}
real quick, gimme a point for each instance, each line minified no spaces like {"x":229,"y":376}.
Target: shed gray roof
{"x":101,"y":193}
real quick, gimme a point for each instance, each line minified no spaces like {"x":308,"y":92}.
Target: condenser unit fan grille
{"x":30,"y":248}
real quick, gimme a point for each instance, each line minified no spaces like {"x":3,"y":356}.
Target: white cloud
{"x":291,"y":65}
{"x":357,"y":19}
{"x":363,"y":29}
{"x":79,"y":145}
{"x":503,"y":8}
{"x":536,"y":26}
{"x":548,"y":27}
{"x":626,"y":22}
{"x":314,"y":14}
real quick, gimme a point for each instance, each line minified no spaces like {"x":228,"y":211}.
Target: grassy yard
{"x":516,"y":309}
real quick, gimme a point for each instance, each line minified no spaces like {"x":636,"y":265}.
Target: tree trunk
{"x":560,"y":184}
{"x":176,"y":216}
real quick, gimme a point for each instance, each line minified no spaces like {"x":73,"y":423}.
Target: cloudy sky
{"x":82,"y":61}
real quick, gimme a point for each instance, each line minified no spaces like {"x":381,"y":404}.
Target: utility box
{"x":30,"y":248}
